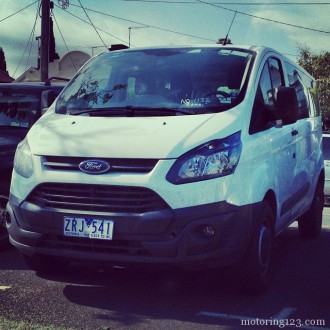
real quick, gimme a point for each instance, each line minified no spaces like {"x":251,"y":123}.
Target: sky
{"x":92,"y":25}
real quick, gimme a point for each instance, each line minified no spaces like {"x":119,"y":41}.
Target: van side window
{"x":296,"y":80}
{"x":313,"y":100}
{"x":276,"y":73}
{"x":271,"y":77}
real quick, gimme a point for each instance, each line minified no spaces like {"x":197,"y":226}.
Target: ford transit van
{"x":195,"y":157}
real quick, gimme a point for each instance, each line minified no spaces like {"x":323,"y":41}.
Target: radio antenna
{"x":226,"y":41}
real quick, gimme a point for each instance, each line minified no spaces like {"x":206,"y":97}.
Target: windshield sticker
{"x":205,"y":101}
{"x":197,"y":102}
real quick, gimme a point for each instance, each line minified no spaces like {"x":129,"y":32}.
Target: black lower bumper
{"x":204,"y":236}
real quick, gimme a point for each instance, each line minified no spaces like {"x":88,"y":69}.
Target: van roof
{"x":230,"y":46}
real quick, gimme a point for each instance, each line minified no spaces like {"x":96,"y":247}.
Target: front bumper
{"x":169,"y":237}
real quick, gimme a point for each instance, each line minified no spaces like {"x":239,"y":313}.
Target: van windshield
{"x":18,"y":108}
{"x":151,"y":82}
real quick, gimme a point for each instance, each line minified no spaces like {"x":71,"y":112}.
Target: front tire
{"x":255,"y":272}
{"x":310,"y":223}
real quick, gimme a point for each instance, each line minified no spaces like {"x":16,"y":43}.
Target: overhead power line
{"x":262,"y":18}
{"x":211,"y":4}
{"x":32,"y":37}
{"x":29,"y":40}
{"x":66,"y":46}
{"x":92,"y":24}
{"x":18,"y":11}
{"x":150,"y":26}
{"x":236,"y":3}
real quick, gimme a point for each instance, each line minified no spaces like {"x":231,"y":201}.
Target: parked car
{"x":195,"y":157}
{"x":21,"y":104}
{"x":326,"y":155}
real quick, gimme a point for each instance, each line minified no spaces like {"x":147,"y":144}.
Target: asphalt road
{"x":89,"y":297}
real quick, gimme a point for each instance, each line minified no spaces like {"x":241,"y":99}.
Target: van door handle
{"x":294,"y":132}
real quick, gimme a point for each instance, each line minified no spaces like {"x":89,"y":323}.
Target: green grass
{"x":25,"y":325}
{"x":21,"y":325}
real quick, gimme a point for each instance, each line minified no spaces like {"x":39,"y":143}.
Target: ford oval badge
{"x":94,"y":166}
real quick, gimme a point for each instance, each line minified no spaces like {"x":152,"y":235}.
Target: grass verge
{"x":21,"y":325}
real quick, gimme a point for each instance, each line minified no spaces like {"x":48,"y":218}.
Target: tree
{"x":3,"y":64}
{"x":318,"y":65}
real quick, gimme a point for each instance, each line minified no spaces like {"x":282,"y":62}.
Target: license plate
{"x":88,"y":227}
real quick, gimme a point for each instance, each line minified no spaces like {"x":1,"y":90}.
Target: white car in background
{"x":326,"y":156}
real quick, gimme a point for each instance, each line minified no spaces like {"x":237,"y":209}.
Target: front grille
{"x":98,"y":198}
{"x":93,"y":245}
{"x":117,"y":165}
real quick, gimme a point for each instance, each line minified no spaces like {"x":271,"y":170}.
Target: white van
{"x":195,"y":157}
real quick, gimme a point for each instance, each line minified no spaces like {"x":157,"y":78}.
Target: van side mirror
{"x":47,"y":98}
{"x":285,"y":104}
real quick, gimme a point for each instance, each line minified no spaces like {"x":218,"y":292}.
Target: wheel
{"x":310,"y":223}
{"x":4,"y":237}
{"x":45,"y":264}
{"x":255,"y":271}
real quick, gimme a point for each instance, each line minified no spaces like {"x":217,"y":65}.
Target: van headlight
{"x":211,"y":160}
{"x":23,"y":159}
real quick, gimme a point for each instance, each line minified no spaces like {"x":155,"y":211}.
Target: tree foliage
{"x":3,"y":65}
{"x":318,"y":65}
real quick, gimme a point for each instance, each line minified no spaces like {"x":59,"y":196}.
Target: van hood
{"x":126,"y":137}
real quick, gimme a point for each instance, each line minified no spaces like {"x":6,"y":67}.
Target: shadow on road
{"x":10,"y":259}
{"x":300,"y":281}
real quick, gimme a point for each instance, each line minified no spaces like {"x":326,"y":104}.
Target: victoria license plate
{"x":88,"y":227}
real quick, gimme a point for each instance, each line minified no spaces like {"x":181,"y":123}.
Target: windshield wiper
{"x":158,"y":110}
{"x":131,"y":111}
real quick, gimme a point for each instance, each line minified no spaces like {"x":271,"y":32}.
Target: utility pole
{"x":44,"y":49}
